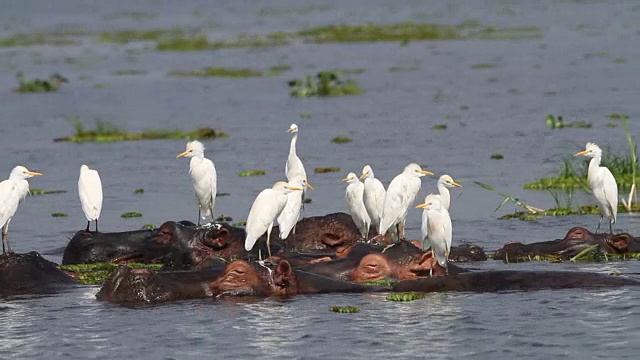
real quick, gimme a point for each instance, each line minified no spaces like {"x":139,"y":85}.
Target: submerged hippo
{"x":94,"y":247}
{"x":238,"y":278}
{"x":30,"y":273}
{"x":576,"y":240}
{"x":494,"y":281}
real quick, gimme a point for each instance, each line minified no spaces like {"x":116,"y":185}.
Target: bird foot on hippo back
{"x":30,"y":273}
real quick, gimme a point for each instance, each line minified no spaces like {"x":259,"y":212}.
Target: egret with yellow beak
{"x":203,"y":175}
{"x":12,"y":192}
{"x":355,"y":204}
{"x":401,"y":193}
{"x":602,"y":183}
{"x":373,"y":196}
{"x":436,"y":229}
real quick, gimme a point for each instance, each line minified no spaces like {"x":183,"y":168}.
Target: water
{"x":584,"y":68}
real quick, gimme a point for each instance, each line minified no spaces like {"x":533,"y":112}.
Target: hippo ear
{"x":283,"y":274}
{"x":621,"y":242}
{"x":332,"y":240}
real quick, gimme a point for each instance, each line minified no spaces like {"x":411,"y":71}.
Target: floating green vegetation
{"x":138,"y":191}
{"x":464,"y":107}
{"x":307,"y":201}
{"x":98,"y":86}
{"x":53,"y":83}
{"x":322,"y":170}
{"x":618,"y":116}
{"x":239,"y":224}
{"x":231,"y":72}
{"x":131,"y":214}
{"x":127,"y":36}
{"x":484,"y":66}
{"x":341,"y":140}
{"x":439,"y":127}
{"x":497,"y":156}
{"x":325,"y":83}
{"x":558,"y":123}
{"x":106,"y":132}
{"x":565,"y":211}
{"x":130,"y":72}
{"x":96,"y":274}
{"x":305,"y":116}
{"x":59,"y":214}
{"x":54,"y":38}
{"x":221,"y":194}
{"x":408,"y":296}
{"x":381,"y":282}
{"x":202,"y":43}
{"x":411,"y":31}
{"x":148,"y":226}
{"x":257,"y":172}
{"x":133,"y":15}
{"x":35,"y":192}
{"x":345,"y":309}
{"x":508,"y":198}
{"x":224,"y":218}
{"x":404,"y":68}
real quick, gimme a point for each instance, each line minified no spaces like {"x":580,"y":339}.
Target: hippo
{"x":510,"y":280}
{"x":30,"y":273}
{"x":238,"y":278}
{"x":366,"y":262}
{"x":576,"y":240}
{"x":94,"y":247}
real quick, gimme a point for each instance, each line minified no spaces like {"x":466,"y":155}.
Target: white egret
{"x":602,"y":183}
{"x":437,"y":223}
{"x":90,"y":191}
{"x":203,"y":175}
{"x":444,"y":182}
{"x":353,"y":196}
{"x":12,"y":192}
{"x":290,"y":215}
{"x":264,"y":211}
{"x":400,"y":195}
{"x":294,"y":168}
{"x":373,"y":196}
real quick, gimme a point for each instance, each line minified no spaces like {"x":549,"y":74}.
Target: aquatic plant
{"x":345,"y":309}
{"x":307,"y":201}
{"x":53,"y":83}
{"x":341,"y":140}
{"x":148,"y":226}
{"x":35,"y":192}
{"x":324,"y":83}
{"x":138,"y":191}
{"x":96,"y":274}
{"x":230,"y":72}
{"x":496,"y":156}
{"x":322,"y":170}
{"x":107,"y":132}
{"x":439,"y":127}
{"x":530,"y":209}
{"x":224,"y":218}
{"x":558,"y":123}
{"x":408,"y":296}
{"x":59,"y":214}
{"x":55,"y":38}
{"x":129,"y":72}
{"x":411,"y":31}
{"x":127,"y":36}
{"x":257,"y":172}
{"x":131,"y":214}
{"x":201,"y":42}
{"x":381,"y":282}
{"x":239,"y":224}
{"x":589,"y":209}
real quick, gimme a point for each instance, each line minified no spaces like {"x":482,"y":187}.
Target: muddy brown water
{"x":583,"y":68}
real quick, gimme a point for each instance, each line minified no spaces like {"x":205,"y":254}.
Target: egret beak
{"x":456,"y":184}
{"x":364,"y":175}
{"x":291,"y":130}
{"x":309,"y":186}
{"x":579,"y":153}
{"x":293,"y":188}
{"x":346,"y":179}
{"x":426,"y":172}
{"x":33,"y":173}
{"x":182,"y":154}
{"x":422,"y":206}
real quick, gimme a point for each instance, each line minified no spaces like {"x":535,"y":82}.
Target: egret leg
{"x":401,"y":231}
{"x":198,"y":215}
{"x":96,"y":225}
{"x":599,"y":223}
{"x":446,"y":267}
{"x":88,"y":223}
{"x":5,"y":239}
{"x":269,"y":238}
{"x":611,"y":226}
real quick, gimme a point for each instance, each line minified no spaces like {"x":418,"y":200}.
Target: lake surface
{"x":492,"y":95}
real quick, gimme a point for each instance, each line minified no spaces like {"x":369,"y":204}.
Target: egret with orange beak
{"x":203,"y":175}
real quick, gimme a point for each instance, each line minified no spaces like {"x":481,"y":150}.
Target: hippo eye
{"x":239,"y":271}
